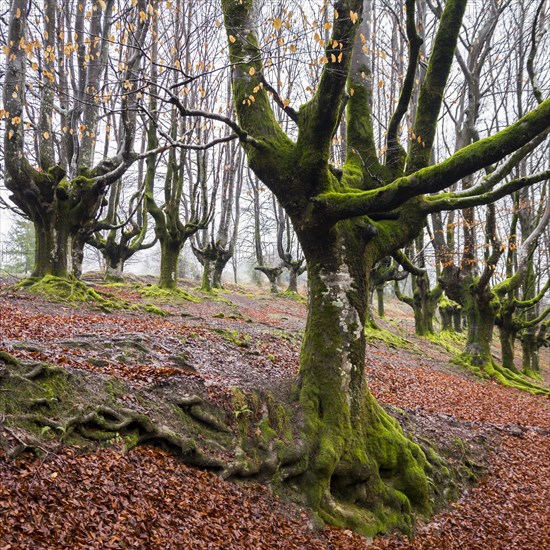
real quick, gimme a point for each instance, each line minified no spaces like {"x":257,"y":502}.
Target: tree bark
{"x":480,"y":308}
{"x":380,"y":300}
{"x":169,"y":256}
{"x":53,"y":254}
{"x":353,"y":459}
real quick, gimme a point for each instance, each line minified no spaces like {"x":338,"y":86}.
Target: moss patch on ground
{"x":491,"y":369}
{"x":167,"y":295}
{"x":71,"y":290}
{"x":375,"y":334}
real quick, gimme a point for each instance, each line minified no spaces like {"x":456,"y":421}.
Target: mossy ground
{"x":267,"y":430}
{"x":373,"y":334}
{"x":72,"y":290}
{"x":451,"y":341}
{"x":165,"y":294}
{"x":491,"y":369}
{"x":293,"y":296}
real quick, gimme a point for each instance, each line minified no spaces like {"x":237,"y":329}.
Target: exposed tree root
{"x":506,"y":377}
{"x":48,"y":407}
{"x":71,"y":289}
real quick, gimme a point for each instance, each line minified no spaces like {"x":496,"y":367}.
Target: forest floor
{"x":245,"y":338}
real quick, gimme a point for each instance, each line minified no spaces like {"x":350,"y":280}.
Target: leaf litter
{"x":147,"y":499}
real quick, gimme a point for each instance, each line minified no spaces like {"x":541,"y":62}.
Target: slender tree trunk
{"x":206,"y":285}
{"x":380,"y":300}
{"x":78,"y":253}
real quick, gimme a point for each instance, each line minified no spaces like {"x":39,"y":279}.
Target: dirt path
{"x":147,"y":499}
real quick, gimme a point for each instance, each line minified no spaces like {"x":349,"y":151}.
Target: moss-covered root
{"x":506,"y":377}
{"x":368,"y":477}
{"x":59,"y":288}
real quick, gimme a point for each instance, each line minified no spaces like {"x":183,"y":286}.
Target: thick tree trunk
{"x":507,"y":339}
{"x":423,"y":319}
{"x":223,"y":256}
{"x":480,"y":309}
{"x":272,"y":273}
{"x":53,"y":252}
{"x":457,"y":320}
{"x":530,"y":351}
{"x":78,"y":253}
{"x":169,"y":256}
{"x":115,"y":268}
{"x":446,"y":319}
{"x":424,"y":305}
{"x":358,"y":455}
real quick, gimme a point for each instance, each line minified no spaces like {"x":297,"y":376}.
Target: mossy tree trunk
{"x":358,"y":456}
{"x":451,"y":315}
{"x":272,"y":274}
{"x":169,"y":256}
{"x":507,"y":335}
{"x":358,"y":469}
{"x":61,"y":190}
{"x":380,"y":300}
{"x":425,"y":304}
{"x":53,"y":250}
{"x":480,"y":308}
{"x":295,"y":269}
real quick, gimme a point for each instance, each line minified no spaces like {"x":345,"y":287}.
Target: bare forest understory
{"x":126,"y":428}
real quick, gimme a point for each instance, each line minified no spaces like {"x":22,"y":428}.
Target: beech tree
{"x":118,"y":239}
{"x":356,"y":467}
{"x":56,"y":79}
{"x":216,"y":246}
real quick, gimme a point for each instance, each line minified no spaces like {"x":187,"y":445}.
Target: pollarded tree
{"x":119,"y":239}
{"x":424,"y":300}
{"x":216,"y":245}
{"x":356,"y":464}
{"x":56,"y":79}
{"x":186,"y":203}
{"x":285,"y":241}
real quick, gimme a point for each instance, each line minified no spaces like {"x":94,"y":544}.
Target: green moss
{"x":235,"y":337}
{"x":447,"y":339}
{"x":8,"y":358}
{"x":293,"y":296}
{"x":392,"y":340}
{"x":506,"y":377}
{"x":67,"y":289}
{"x":167,"y":295}
{"x":267,"y":433}
{"x":130,"y":440}
{"x":155,"y":310}
{"x":71,"y":290}
{"x":115,"y":388}
{"x":445,"y":302}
